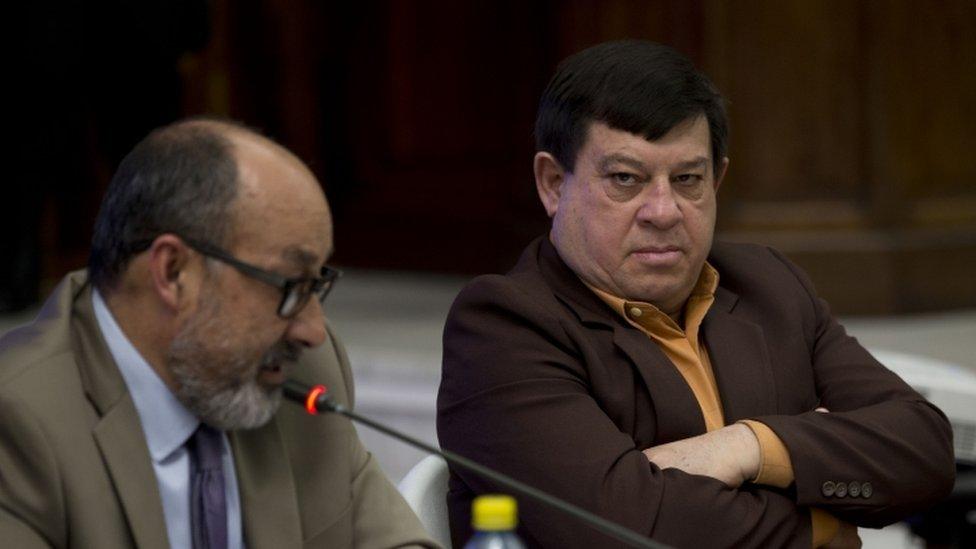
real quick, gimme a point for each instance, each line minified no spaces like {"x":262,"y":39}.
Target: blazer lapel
{"x":677,"y":411}
{"x":118,"y":433}
{"x":737,"y":349}
{"x":269,"y":501}
{"x":119,"y":437}
{"x":678,"y":414}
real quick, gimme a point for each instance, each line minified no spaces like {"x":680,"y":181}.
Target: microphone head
{"x":313,"y":398}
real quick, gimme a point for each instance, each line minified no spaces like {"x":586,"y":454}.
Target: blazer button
{"x":841,"y":489}
{"x":828,"y":488}
{"x":853,"y":488}
{"x":866,"y":490}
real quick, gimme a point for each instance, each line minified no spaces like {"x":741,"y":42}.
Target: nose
{"x":659,"y":205}
{"x":308,"y":326}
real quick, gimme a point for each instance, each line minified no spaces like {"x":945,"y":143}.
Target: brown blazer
{"x":75,"y":470}
{"x":543,"y":381}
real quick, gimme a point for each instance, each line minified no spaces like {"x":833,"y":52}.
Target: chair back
{"x":425,"y":489}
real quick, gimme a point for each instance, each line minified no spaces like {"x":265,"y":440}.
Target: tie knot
{"x":206,"y":445}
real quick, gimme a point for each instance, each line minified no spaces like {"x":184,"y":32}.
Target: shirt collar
{"x":166,"y":423}
{"x":652,"y":319}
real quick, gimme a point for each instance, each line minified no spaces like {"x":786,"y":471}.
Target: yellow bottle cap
{"x":494,"y":512}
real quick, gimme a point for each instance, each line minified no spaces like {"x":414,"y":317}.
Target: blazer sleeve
{"x":30,"y":503}
{"x":515,"y":396}
{"x":880,"y":433}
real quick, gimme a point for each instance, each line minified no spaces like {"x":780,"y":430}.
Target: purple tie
{"x":208,"y":505}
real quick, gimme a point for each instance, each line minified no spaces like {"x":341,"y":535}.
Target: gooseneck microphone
{"x":315,"y":399}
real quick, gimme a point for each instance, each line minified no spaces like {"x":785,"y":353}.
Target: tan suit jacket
{"x":545,"y":382}
{"x":75,"y":469}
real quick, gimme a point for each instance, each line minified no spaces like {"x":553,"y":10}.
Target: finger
{"x":821,"y":409}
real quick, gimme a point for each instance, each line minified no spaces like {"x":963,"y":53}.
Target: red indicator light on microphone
{"x":313,"y":395}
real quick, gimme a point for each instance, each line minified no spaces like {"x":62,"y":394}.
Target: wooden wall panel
{"x":851,"y":129}
{"x":792,"y":76}
{"x":582,"y":23}
{"x":922,"y":85}
{"x":852,"y":124}
{"x":442,"y":175}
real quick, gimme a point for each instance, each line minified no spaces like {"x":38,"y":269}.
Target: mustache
{"x":282,"y":352}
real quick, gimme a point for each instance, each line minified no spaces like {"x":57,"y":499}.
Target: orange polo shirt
{"x":687,"y":352}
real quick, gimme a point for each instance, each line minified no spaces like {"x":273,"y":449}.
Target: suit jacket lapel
{"x":119,"y":437}
{"x":118,"y":433}
{"x":269,"y":500}
{"x":677,"y":411}
{"x":737,"y":349}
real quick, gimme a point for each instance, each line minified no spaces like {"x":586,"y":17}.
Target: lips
{"x":276,"y":364}
{"x":658,"y":256}
{"x":658,"y":249}
{"x":272,"y":374}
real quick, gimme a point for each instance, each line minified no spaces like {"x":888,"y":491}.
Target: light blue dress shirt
{"x":167,"y":425}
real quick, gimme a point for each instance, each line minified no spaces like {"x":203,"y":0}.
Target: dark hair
{"x":632,"y":85}
{"x":180,"y":179}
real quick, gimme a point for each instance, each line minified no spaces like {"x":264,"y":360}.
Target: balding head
{"x":211,"y":243}
{"x":279,"y":202}
{"x":184,"y":178}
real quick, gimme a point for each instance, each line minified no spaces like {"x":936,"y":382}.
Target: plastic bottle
{"x":494,"y":518}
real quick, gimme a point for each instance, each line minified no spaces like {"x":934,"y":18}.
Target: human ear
{"x":549,"y":178}
{"x":169,"y":259}
{"x":723,"y":167}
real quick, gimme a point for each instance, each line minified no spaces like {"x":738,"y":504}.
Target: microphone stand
{"x":315,"y":400}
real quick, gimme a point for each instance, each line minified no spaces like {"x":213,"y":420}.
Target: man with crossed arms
{"x":697,"y":393}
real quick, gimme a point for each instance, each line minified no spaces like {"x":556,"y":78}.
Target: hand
{"x":730,"y":454}
{"x":846,"y":538}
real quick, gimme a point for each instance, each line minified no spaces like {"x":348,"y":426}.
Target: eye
{"x":624,"y":179}
{"x":688,"y":179}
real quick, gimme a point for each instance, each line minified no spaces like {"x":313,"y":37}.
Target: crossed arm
{"x":542,"y":415}
{"x":730,"y":454}
{"x":517,"y":396}
{"x":733,"y":455}
{"x":879,"y":414}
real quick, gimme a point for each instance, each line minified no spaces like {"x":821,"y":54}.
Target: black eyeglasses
{"x":295,"y":291}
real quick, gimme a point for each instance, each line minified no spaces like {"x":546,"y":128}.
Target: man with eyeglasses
{"x":141,"y":407}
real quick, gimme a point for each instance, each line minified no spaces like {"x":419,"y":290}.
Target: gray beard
{"x":247,"y":406}
{"x":216,"y":380}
